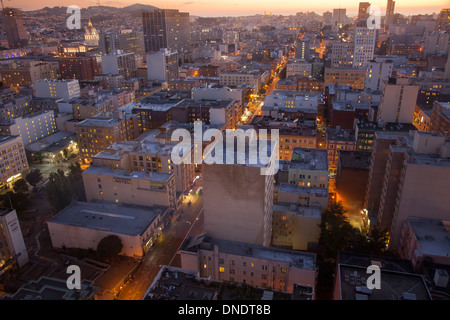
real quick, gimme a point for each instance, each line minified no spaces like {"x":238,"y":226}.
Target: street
{"x":164,"y":251}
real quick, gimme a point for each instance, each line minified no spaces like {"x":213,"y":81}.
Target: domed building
{"x":91,"y":36}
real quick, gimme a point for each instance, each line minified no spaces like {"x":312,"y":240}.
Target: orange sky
{"x":245,"y":7}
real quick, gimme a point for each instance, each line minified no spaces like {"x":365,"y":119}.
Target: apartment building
{"x":215,"y":112}
{"x":342,"y":54}
{"x":130,"y":187}
{"x":440,"y":118}
{"x":250,"y":264}
{"x":99,"y":132}
{"x":409,"y":174}
{"x":31,"y":127}
{"x":13,"y":160}
{"x":238,"y":198}
{"x":147,"y":154}
{"x":398,"y":101}
{"x":17,"y":74}
{"x":119,"y":62}
{"x":52,"y":88}
{"x":345,"y":76}
{"x":240,"y":78}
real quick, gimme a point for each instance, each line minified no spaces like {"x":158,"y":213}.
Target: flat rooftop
{"x":125,"y":173}
{"x":398,"y":280}
{"x":6,"y":138}
{"x":433,"y":236}
{"x":296,"y":259}
{"x":309,"y":159}
{"x":303,"y":211}
{"x":203,"y":103}
{"x":122,"y":219}
{"x":340,"y":135}
{"x":290,"y":188}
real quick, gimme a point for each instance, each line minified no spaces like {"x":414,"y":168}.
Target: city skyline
{"x":215,"y":9}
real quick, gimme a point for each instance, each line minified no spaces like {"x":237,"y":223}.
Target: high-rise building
{"x":14,"y":27}
{"x":101,"y":131}
{"x":81,"y":68}
{"x":131,"y":41}
{"x":398,"y":101}
{"x":409,"y":174}
{"x":162,"y":65}
{"x":52,"y":88}
{"x":377,"y":73}
{"x":32,"y":127}
{"x":389,"y":12}
{"x":13,"y":161}
{"x":118,"y":62}
{"x":238,"y":199}
{"x":166,"y":28}
{"x":342,"y":54}
{"x":437,"y":42}
{"x":363,"y":13}
{"x":364,"y":41}
{"x":339,"y":16}
{"x":302,"y":49}
{"x":108,"y":42}
{"x":443,"y":22}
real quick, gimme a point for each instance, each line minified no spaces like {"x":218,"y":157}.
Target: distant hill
{"x":139,"y":7}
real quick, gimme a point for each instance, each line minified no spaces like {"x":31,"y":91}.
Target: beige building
{"x":83,"y":225}
{"x":345,"y":76}
{"x":147,"y":154}
{"x":255,"y":265}
{"x":235,"y":79}
{"x":297,"y":212}
{"x":238,"y":198}
{"x":308,"y":168}
{"x":96,"y":134}
{"x":129,"y":187}
{"x":13,"y":160}
{"x":415,"y":171}
{"x":398,"y":101}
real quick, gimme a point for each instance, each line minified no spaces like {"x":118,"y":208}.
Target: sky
{"x":244,"y":7}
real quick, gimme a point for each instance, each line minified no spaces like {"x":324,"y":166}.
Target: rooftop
{"x":309,"y":159}
{"x":6,"y":138}
{"x":121,"y":219}
{"x":125,"y":173}
{"x":398,"y":280}
{"x":310,"y":211}
{"x":295,"y":258}
{"x":433,"y":236}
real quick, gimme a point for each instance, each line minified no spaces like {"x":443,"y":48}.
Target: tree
{"x":20,"y":185}
{"x":336,"y":232}
{"x":34,"y":177}
{"x":59,"y":190}
{"x":110,"y":246}
{"x":76,"y":181}
{"x":16,"y":200}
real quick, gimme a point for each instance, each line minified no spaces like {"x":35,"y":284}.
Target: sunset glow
{"x":247,"y":7}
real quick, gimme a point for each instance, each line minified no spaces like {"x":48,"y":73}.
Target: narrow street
{"x":188,"y":220}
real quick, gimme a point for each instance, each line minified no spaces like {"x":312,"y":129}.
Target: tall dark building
{"x":81,"y":68}
{"x":166,"y":28}
{"x":14,"y":27}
